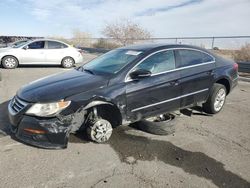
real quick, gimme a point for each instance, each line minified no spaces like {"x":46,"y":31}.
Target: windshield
{"x":112,"y":62}
{"x":19,"y":44}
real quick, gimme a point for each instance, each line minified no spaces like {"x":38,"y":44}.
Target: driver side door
{"x":34,"y":53}
{"x":157,"y":93}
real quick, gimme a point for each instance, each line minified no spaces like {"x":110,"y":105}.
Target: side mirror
{"x":26,"y":47}
{"x":140,"y":73}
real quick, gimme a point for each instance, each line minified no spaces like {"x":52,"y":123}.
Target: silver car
{"x":40,"y":52}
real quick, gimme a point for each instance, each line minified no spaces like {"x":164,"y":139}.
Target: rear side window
{"x":159,"y":62}
{"x":36,"y":45}
{"x":55,"y":45}
{"x":192,"y":57}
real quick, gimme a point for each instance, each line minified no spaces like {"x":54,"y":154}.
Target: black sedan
{"x":122,"y":86}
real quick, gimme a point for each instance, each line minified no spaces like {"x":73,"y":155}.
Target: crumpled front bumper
{"x":50,"y":133}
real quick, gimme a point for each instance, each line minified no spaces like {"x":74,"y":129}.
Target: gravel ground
{"x":205,"y":151}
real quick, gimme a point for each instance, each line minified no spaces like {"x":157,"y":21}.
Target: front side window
{"x":192,"y":57}
{"x":113,"y":61}
{"x":55,"y":45}
{"x":36,"y":45}
{"x":159,"y":62}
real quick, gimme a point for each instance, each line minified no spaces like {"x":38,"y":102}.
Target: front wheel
{"x":68,"y":62}
{"x":216,"y":99}
{"x":100,"y":130}
{"x":9,"y":62}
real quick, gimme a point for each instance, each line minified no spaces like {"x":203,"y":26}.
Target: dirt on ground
{"x":205,"y":150}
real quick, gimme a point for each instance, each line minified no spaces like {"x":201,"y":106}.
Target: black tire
{"x":209,"y":105}
{"x":9,"y":62}
{"x":68,"y":62}
{"x":165,"y":127}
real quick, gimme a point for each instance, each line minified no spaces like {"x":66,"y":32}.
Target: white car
{"x":40,"y":52}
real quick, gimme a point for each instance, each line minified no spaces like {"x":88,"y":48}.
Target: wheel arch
{"x":68,"y":57}
{"x":107,"y":109}
{"x":224,"y":81}
{"x":7,"y":56}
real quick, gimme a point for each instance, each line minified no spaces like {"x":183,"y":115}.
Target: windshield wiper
{"x":88,"y":70}
{"x":84,"y":69}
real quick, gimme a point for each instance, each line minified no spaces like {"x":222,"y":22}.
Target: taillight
{"x":236,"y":66}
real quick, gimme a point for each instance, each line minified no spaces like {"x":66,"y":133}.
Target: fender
{"x":96,"y":103}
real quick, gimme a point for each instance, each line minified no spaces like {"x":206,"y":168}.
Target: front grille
{"x":17,"y":104}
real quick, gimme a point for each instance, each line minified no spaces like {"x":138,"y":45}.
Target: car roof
{"x":47,"y":39}
{"x":157,"y":46}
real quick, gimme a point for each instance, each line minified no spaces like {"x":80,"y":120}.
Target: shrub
{"x":104,"y":43}
{"x":125,"y":32}
{"x":243,"y":54}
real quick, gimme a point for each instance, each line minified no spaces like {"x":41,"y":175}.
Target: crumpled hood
{"x":59,"y":86}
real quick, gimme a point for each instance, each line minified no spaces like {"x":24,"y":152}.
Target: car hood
{"x":59,"y":86}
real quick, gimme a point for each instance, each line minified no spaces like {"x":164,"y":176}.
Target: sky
{"x":163,"y":18}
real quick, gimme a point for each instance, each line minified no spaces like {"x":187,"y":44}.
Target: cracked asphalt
{"x":205,"y":151}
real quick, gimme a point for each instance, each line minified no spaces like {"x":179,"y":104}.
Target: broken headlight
{"x":47,"y":109}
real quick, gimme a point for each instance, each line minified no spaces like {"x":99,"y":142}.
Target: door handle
{"x":211,"y":72}
{"x":174,"y":83}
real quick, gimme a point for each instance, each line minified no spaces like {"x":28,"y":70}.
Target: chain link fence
{"x":221,"y":42}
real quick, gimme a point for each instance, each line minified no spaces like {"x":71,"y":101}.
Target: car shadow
{"x":43,"y":66}
{"x":143,"y":148}
{"x":197,"y":163}
{"x":197,"y":110}
{"x":79,"y":137}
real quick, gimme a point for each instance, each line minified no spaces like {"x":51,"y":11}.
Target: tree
{"x":81,"y":38}
{"x":125,"y":32}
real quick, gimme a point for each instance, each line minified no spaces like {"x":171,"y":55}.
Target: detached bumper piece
{"x":50,"y":133}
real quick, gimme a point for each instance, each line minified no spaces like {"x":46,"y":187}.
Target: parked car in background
{"x":40,"y":52}
{"x":123,"y":86}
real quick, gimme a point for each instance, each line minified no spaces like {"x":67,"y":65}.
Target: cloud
{"x":164,"y":8}
{"x":164,"y":18}
{"x":41,"y":14}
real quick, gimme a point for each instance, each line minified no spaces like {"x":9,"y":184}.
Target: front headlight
{"x":47,"y":109}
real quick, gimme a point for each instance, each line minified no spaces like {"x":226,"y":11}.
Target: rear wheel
{"x":68,"y":62}
{"x":9,"y":62}
{"x":216,"y":99}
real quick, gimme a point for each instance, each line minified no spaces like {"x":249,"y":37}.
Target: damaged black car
{"x":123,"y":86}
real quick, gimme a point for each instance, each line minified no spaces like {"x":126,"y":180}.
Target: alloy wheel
{"x":219,"y":99}
{"x":68,"y":62}
{"x":10,"y":62}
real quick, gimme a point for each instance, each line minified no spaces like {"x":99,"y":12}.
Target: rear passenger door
{"x":196,"y":71}
{"x":55,"y":52}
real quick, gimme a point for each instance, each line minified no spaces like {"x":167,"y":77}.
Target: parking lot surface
{"x":205,"y":151}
